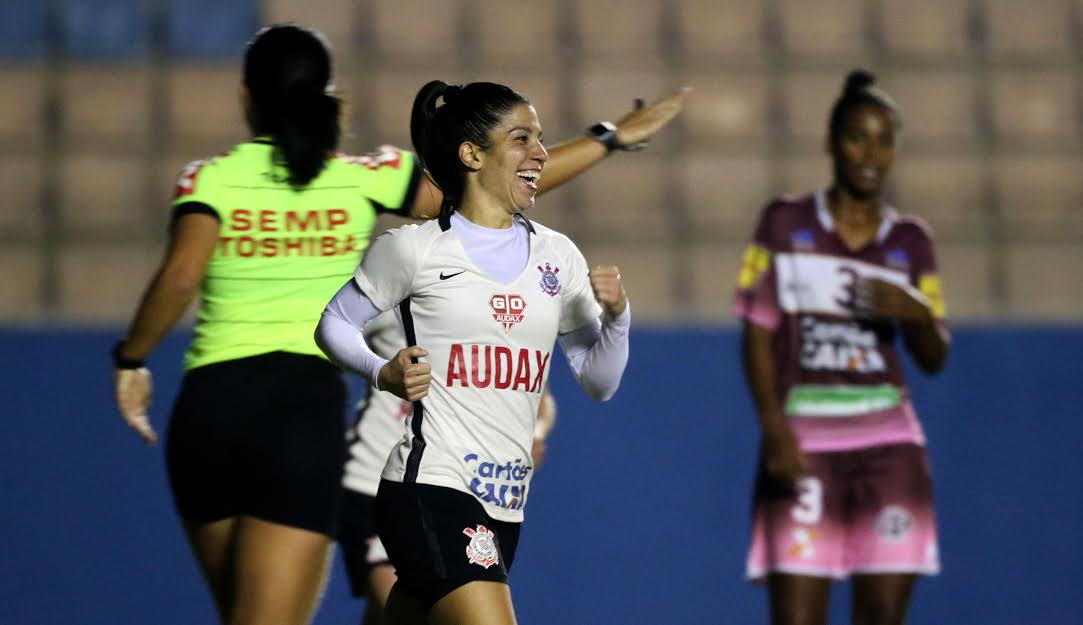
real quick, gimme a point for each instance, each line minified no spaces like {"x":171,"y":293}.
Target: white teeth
{"x":529,"y":175}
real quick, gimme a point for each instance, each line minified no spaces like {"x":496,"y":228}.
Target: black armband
{"x":121,"y":362}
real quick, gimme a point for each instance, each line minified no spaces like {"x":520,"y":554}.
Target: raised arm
{"x":572,"y":157}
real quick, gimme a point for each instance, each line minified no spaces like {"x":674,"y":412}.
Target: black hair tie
{"x":452,"y":92}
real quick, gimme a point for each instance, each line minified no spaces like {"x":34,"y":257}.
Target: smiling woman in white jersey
{"x":482,"y":294}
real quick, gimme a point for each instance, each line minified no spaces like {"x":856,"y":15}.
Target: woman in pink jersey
{"x":828,"y":282}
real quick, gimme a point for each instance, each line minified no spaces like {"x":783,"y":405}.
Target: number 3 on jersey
{"x":810,"y":501}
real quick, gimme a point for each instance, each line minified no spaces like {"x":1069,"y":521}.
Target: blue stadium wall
{"x":640,"y":515}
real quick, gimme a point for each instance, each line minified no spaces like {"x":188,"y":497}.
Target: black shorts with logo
{"x":261,"y":437}
{"x":440,"y":539}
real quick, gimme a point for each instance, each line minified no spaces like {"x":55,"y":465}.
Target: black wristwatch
{"x":606,"y":134}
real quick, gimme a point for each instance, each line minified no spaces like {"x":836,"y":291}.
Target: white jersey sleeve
{"x":386,"y":274}
{"x":578,"y":306}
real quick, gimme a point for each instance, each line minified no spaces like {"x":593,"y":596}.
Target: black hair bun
{"x":858,"y":80}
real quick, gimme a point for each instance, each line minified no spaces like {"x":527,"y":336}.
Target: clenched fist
{"x":608,"y":290}
{"x":405,"y":378}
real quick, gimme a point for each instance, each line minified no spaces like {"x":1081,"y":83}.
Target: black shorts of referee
{"x":440,"y":539}
{"x":260,"y":437}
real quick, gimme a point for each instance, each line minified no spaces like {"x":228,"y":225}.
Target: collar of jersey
{"x":823,"y":215}
{"x":445,"y":222}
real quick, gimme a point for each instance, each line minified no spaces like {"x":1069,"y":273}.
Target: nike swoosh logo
{"x":450,"y":275}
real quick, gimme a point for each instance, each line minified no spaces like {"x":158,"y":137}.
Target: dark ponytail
{"x":860,"y":89}
{"x":287,"y":70}
{"x":468,"y":113}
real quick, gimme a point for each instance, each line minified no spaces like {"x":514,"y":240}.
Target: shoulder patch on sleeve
{"x":186,"y":182}
{"x":384,"y":156}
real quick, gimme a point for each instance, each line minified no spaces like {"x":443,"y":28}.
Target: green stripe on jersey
{"x":811,"y":400}
{"x":282,"y":254}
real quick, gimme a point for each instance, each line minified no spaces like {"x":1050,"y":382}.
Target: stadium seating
{"x":22,"y":30}
{"x":105,"y":30}
{"x":21,"y":180}
{"x":926,"y":29}
{"x":106,"y":107}
{"x":828,"y":29}
{"x":715,"y":34}
{"x":103,"y":195}
{"x":86,"y":297}
{"x":1029,"y":29}
{"x":519,"y":34}
{"x":211,"y":28}
{"x":96,"y":94}
{"x":21,"y":288}
{"x":22,"y":107}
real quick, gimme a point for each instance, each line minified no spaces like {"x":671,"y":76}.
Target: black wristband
{"x":120,"y":362}
{"x":606,"y":134}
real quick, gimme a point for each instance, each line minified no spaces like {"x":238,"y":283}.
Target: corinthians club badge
{"x":482,"y":548}
{"x":549,"y":283}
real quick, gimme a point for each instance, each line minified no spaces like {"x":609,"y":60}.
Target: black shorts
{"x":439,"y":539}
{"x":260,"y":437}
{"x":361,"y":547}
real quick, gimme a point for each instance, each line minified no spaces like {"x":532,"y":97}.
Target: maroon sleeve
{"x":756,"y":299}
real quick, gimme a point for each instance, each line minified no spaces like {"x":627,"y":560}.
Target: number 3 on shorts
{"x":810,"y":501}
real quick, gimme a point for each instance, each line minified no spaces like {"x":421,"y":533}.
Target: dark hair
{"x":468,"y":114}
{"x":859,"y":89}
{"x":287,"y":70}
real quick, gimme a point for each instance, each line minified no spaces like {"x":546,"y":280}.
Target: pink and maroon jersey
{"x":840,"y":377}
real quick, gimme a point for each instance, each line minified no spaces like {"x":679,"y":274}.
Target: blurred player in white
{"x":379,"y":427}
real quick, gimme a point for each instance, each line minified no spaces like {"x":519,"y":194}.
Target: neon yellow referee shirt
{"x":282,"y":254}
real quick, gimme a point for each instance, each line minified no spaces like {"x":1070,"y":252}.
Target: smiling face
{"x":863,"y":150}
{"x":508,"y":170}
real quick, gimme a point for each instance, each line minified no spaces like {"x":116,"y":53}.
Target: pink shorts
{"x":861,"y":511}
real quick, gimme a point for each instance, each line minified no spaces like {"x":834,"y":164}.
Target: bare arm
{"x":928,"y":342}
{"x":171,"y":290}
{"x":570,"y":158}
{"x":782,"y":456}
{"x":174,"y":286}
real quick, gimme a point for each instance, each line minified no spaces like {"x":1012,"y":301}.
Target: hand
{"x":608,"y":290}
{"x":404,"y":378}
{"x":878,"y":299}
{"x":133,"y":389}
{"x":782,"y":457}
{"x":645,"y":121}
{"x":537,"y":452}
{"x":547,"y":416}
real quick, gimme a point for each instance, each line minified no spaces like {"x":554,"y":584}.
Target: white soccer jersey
{"x":381,"y":423}
{"x":490,"y":347}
